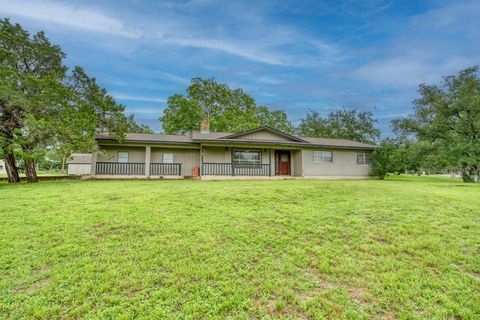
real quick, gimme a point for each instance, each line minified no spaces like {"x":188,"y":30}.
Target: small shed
{"x":80,"y":163}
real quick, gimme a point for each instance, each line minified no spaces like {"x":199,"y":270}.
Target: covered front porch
{"x":144,"y":161}
{"x":250,"y":161}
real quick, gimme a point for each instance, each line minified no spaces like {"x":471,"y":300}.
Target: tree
{"x":30,"y":68}
{"x":447,"y":118}
{"x":41,"y":107}
{"x":228,"y":110}
{"x":340,"y":124}
{"x":391,"y":157}
{"x":88,"y":110}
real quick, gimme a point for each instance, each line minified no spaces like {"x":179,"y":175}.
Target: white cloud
{"x":67,"y":15}
{"x":430,"y":45}
{"x":406,"y":71}
{"x":127,"y":97}
{"x":144,"y":111}
{"x":268,"y":46}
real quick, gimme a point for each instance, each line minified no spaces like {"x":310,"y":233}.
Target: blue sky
{"x":295,"y":55}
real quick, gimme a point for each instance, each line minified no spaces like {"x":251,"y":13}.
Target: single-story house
{"x":262,"y":152}
{"x":79,"y":164}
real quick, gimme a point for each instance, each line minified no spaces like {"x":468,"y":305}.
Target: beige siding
{"x":296,"y":163}
{"x":224,"y":154}
{"x":76,"y":168}
{"x":217,"y":154}
{"x":110,"y":154}
{"x":344,"y":164}
{"x":263,"y":135}
{"x":187,"y":157}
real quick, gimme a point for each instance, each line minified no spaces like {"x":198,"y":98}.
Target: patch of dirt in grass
{"x":389,"y":315}
{"x":382,"y":241}
{"x":278,"y":307}
{"x":101,"y":233}
{"x":38,"y":284}
{"x":323,"y":284}
{"x":33,"y":287}
{"x":359,"y":295}
{"x":473,"y":275}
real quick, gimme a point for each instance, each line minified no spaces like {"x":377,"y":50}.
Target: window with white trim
{"x":122,"y":157}
{"x":168,"y":158}
{"x":245,"y":156}
{"x":364,"y":157}
{"x":322,"y":156}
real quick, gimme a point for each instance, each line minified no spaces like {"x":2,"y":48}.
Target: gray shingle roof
{"x":338,"y":142}
{"x":142,"y":137}
{"x":223,"y":137}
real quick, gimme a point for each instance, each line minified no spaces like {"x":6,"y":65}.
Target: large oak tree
{"x":42,"y":105}
{"x":228,"y":110}
{"x":340,"y":124}
{"x":447,"y":119}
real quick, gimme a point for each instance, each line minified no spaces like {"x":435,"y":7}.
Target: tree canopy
{"x":446,"y":119}
{"x":228,"y":110}
{"x":341,"y":124}
{"x":42,"y":105}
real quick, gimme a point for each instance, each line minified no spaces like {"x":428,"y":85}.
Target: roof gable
{"x":264,"y":133}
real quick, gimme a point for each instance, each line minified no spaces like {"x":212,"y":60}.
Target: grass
{"x":40,"y":174}
{"x":404,"y":248}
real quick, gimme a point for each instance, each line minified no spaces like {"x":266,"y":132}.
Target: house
{"x":3,"y":169}
{"x":262,"y":152}
{"x":79,"y":164}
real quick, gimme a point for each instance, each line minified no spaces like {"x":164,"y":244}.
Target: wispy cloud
{"x":269,"y":47}
{"x":127,"y":97}
{"x":67,"y":15}
{"x":145,"y":111}
{"x":428,"y":46}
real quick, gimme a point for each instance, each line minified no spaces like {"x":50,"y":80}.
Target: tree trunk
{"x":11,"y":167}
{"x":64,"y":159}
{"x":468,"y":175}
{"x":30,"y":170}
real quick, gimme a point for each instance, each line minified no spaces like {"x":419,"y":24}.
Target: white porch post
{"x":148,"y":151}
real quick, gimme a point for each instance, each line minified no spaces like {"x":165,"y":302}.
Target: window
{"x":247,"y":156}
{"x":323,"y":156}
{"x":1,"y":167}
{"x":168,"y":158}
{"x":364,"y":158}
{"x":122,"y":157}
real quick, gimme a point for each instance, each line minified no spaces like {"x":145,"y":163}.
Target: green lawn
{"x":405,"y":248}
{"x":40,"y":174}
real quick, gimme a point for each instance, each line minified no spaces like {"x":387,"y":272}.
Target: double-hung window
{"x":247,"y":156}
{"x":122,"y":157}
{"x":168,"y":158}
{"x":322,"y":156}
{"x":364,"y":158}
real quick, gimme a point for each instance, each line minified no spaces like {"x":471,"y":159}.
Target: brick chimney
{"x":205,"y":126}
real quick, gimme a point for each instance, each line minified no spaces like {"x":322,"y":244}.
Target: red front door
{"x":282,"y":163}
